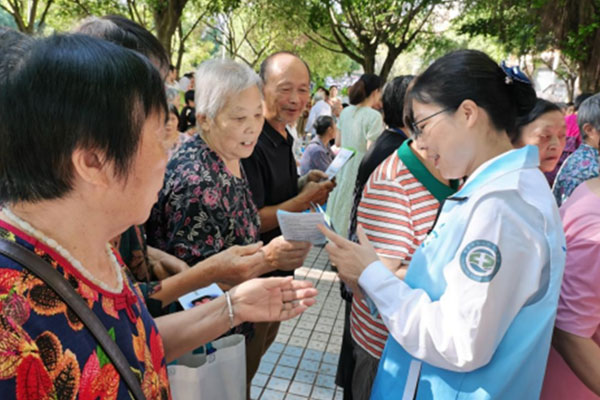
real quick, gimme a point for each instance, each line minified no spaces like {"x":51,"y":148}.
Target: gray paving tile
{"x":317,"y":344}
{"x":328,"y":369}
{"x":298,"y":341}
{"x":283,"y":372}
{"x":300,"y":388}
{"x":289,"y":361}
{"x":331,"y":358}
{"x":300,"y":332}
{"x":333,"y":348}
{"x":305,"y":376}
{"x":270,"y":394}
{"x":309,"y":365}
{"x":260,"y":379}
{"x":255,"y":392}
{"x":270,"y":357}
{"x":308,"y":325}
{"x":314,"y":355}
{"x":293,"y":351}
{"x":266,"y":367}
{"x":320,"y":393}
{"x":294,"y":397}
{"x":278,"y":384}
{"x":336,"y":339}
{"x":326,"y":381}
{"x":282,"y":338}
{"x":276,"y":347}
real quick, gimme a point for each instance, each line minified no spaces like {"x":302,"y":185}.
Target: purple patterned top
{"x":202,"y":208}
{"x":579,"y":167}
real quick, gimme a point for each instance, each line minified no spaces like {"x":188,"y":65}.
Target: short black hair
{"x":540,"y":108}
{"x":393,"y":100}
{"x":74,"y":91}
{"x":189,"y":96}
{"x":126,"y":33}
{"x":323,"y":123}
{"x":473,"y":75}
{"x":266,"y":64}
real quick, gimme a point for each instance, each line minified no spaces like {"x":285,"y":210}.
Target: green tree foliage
{"x":359,"y":28}
{"x":531,"y":27}
{"x":28,"y":15}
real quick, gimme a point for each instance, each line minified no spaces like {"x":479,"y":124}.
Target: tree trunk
{"x":368,"y":63}
{"x":589,"y":70}
{"x":386,"y":68}
{"x":167,"y":14}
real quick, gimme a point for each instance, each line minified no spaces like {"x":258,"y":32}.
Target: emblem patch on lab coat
{"x":480,"y":260}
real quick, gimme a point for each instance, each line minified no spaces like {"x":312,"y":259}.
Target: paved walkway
{"x":302,"y":362}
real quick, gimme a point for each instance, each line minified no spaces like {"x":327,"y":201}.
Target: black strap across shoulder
{"x":59,"y":284}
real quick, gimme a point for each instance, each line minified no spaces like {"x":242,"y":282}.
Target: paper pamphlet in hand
{"x":302,"y":226}
{"x":200,"y":296}
{"x":338,"y":162}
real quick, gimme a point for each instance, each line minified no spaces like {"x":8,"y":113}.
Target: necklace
{"x":26,"y":227}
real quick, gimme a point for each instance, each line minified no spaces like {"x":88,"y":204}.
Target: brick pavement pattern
{"x":302,"y":362}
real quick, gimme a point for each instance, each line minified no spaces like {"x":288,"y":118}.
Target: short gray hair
{"x":218,"y":80}
{"x":589,"y":113}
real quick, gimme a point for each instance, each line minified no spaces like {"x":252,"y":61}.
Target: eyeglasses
{"x":414,"y":125}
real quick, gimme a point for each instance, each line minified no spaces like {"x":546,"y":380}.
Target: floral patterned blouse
{"x":579,"y":167}
{"x":47,"y":353}
{"x":202,"y":208}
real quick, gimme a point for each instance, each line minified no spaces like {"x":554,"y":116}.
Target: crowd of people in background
{"x":464,"y":227}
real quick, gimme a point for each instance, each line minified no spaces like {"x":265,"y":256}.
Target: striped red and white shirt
{"x":397,"y":210}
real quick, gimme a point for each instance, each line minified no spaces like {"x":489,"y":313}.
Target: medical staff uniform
{"x":474,"y":317}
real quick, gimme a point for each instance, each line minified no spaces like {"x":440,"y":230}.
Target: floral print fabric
{"x":47,"y":353}
{"x":202,"y":208}
{"x":579,"y":167}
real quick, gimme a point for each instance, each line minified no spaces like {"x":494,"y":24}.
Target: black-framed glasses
{"x":414,"y":125}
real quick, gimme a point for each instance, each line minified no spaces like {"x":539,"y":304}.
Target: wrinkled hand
{"x":315,"y":175}
{"x":284,"y":255}
{"x":163,"y":264}
{"x":271,"y":299}
{"x":240,"y":263}
{"x":350,"y":258}
{"x":317,"y":192}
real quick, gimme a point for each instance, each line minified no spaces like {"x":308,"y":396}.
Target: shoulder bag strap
{"x":59,"y":284}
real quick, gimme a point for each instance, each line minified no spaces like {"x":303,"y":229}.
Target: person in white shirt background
{"x":473,"y":317}
{"x":320,"y":107}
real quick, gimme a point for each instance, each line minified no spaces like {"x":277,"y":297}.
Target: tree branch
{"x":194,"y":26}
{"x":32,"y":14}
{"x":83,"y":7}
{"x":45,"y":12}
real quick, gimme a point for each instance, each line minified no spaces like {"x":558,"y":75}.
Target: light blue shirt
{"x":474,"y":317}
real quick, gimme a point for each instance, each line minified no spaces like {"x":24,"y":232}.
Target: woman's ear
{"x":469,"y":112}
{"x":203,"y":122}
{"x":90,"y":165}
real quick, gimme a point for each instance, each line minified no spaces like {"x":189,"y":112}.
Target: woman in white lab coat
{"x":474,"y":316}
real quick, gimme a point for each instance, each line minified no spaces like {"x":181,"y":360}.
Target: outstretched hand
{"x":350,"y":258}
{"x":271,"y":299}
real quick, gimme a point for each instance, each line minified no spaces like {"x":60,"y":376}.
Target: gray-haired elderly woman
{"x":205,"y":205}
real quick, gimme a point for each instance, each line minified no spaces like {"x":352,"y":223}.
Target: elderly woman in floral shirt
{"x":206,"y":205}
